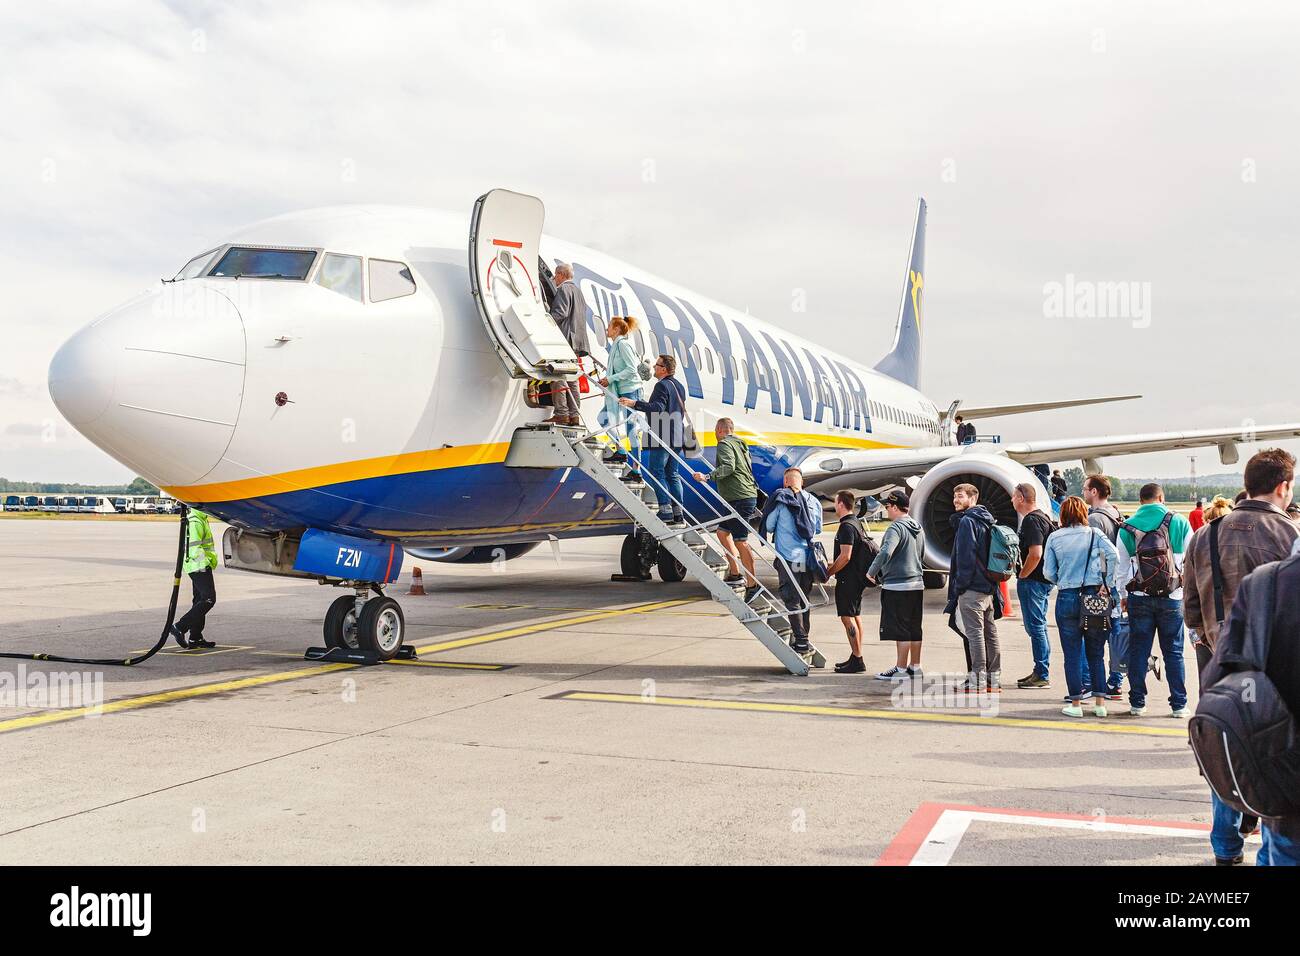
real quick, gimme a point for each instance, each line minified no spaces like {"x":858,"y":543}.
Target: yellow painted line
{"x":546,"y":626}
{"x":706,"y":703}
{"x":243,"y":683}
{"x":166,"y":697}
{"x":455,"y":665}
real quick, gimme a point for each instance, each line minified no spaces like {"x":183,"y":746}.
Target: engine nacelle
{"x":478,"y":554}
{"x":994,"y":475}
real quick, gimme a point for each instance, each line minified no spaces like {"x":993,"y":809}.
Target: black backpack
{"x":1155,"y":575}
{"x":1243,"y":733}
{"x":864,"y":551}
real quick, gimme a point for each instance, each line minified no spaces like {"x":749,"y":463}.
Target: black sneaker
{"x":751,"y":593}
{"x":615,"y":459}
{"x":801,"y":647}
{"x":854,"y":665}
{"x":180,"y":637}
{"x":1032,"y":682}
{"x":198,"y":641}
{"x":1235,"y":861}
{"x":733,"y":579}
{"x":632,"y":478}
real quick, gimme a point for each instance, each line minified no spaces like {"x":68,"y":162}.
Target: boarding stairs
{"x":694,"y":544}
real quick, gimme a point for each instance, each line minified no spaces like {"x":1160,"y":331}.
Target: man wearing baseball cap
{"x":898,"y":571}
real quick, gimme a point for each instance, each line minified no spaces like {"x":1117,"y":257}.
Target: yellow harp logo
{"x":917,"y":284}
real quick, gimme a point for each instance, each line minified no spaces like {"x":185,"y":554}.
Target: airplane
{"x":342,"y":384}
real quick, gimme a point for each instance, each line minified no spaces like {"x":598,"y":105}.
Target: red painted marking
{"x":507,"y":243}
{"x":392,"y":550}
{"x":908,"y":842}
{"x":487,"y":276}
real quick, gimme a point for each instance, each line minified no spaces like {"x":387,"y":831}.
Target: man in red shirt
{"x":1196,"y":517}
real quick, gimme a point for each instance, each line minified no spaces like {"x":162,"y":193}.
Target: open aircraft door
{"x":504,"y":235}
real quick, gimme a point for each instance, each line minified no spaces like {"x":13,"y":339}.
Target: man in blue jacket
{"x":665,"y":409}
{"x":974,"y":602}
{"x":792,"y":518}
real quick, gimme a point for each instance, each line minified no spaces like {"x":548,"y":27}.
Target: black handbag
{"x":1094,"y":609}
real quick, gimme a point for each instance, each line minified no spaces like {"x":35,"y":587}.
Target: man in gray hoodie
{"x":898,"y":571}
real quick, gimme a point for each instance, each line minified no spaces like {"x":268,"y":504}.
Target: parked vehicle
{"x":13,"y":503}
{"x":49,"y":503}
{"x":31,"y":502}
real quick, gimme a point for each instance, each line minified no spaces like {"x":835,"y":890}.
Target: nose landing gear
{"x":363,"y":629}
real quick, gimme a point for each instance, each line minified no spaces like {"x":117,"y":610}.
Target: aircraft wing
{"x":870,"y":470}
{"x":974,"y":412}
{"x":1043,"y":452}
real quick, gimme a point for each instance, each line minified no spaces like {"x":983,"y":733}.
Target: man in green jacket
{"x":734,"y":476}
{"x":200,"y":559}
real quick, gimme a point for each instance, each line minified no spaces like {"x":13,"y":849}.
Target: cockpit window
{"x":243,"y":262}
{"x":341,"y":274}
{"x":195,"y":266}
{"x":389,"y":280}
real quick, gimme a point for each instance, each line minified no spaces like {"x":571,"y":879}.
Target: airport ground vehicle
{"x":13,"y":503}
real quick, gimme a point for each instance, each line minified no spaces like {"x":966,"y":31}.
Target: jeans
{"x":1077,"y":646}
{"x":789,"y":586}
{"x":622,"y":424}
{"x":205,"y":598}
{"x":1225,"y":832}
{"x":662,"y":468}
{"x":1278,"y":848}
{"x":1147,"y":617}
{"x":1033,"y":597}
{"x":1118,"y":651}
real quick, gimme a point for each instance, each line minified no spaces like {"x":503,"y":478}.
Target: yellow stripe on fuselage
{"x":305,"y":479}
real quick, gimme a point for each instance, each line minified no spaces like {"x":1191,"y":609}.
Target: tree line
{"x":1126,"y":489}
{"x":137,"y":487}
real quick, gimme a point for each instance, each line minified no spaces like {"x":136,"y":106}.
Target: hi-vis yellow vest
{"x":200,"y":552}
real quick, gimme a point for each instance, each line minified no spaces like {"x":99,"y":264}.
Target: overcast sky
{"x":754,"y":152}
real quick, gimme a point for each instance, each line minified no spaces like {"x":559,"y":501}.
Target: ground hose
{"x":166,"y":631}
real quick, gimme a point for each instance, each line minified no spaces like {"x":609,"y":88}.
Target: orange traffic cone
{"x":1008,"y":609}
{"x":417,"y":582}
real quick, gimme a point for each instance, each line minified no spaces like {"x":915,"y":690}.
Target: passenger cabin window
{"x":695,"y":357}
{"x":241,"y":262}
{"x":341,"y":274}
{"x":390,"y":280}
{"x":708,"y":357}
{"x":640,"y":342}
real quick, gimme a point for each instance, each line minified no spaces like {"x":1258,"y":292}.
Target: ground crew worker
{"x":200,"y":559}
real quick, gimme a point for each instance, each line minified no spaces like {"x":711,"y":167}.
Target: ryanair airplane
{"x":342,"y":384}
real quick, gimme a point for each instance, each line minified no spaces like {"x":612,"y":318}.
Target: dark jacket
{"x":664,"y":409}
{"x":965,"y":573}
{"x":801,"y":505}
{"x":1253,"y":533}
{"x":1282,"y":664}
{"x":569,"y":310}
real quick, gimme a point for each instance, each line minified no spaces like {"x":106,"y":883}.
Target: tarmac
{"x":552,"y":716}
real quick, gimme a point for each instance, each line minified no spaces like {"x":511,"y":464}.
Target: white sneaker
{"x":1073,"y":710}
{"x":1180,"y":712}
{"x":1099,"y":710}
{"x":1137,"y":711}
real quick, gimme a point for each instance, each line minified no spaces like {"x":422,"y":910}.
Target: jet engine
{"x":994,"y":475}
{"x":480,"y":554}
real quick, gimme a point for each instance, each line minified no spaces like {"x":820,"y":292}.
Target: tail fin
{"x":904,"y":360}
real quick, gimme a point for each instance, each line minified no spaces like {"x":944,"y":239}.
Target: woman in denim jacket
{"x":622,"y":381}
{"x":1077,"y":559}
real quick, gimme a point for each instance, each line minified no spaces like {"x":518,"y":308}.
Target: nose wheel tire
{"x":341,"y":624}
{"x":670,"y":569}
{"x":381,"y":627}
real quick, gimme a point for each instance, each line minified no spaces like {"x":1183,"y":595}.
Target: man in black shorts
{"x":901,"y":576}
{"x":853,"y":554}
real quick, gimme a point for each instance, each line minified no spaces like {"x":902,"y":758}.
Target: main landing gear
{"x":365,"y":628}
{"x":641,"y":554}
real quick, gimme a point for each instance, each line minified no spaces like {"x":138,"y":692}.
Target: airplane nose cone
{"x":157,"y":382}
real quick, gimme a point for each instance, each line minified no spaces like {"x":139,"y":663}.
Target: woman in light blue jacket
{"x":622,"y":380}
{"x":1077,"y":559}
